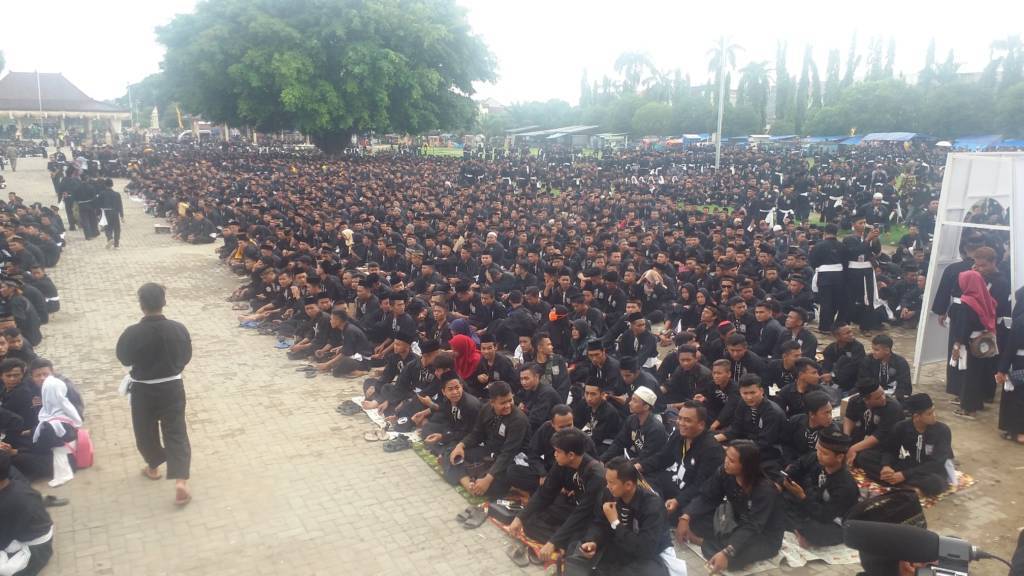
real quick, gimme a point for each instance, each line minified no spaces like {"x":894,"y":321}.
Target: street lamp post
{"x":721,"y":102}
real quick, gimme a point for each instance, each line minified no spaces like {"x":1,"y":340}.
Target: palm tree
{"x":632,"y":66}
{"x":753,"y":89}
{"x":721,"y":57}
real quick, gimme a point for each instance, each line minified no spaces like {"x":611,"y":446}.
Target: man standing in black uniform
{"x":113,"y":210}
{"x":860,"y":276}
{"x":827,"y":260}
{"x":158,"y":349}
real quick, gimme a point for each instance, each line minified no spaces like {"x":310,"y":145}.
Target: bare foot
{"x":181,"y":494}
{"x":152,"y":473}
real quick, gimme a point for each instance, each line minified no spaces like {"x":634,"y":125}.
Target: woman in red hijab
{"x":974,"y":314}
{"x":466,"y":355}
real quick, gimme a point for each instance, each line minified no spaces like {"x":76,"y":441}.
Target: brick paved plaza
{"x":284,"y":485}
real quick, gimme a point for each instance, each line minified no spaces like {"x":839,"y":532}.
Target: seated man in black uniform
{"x":916,"y":452}
{"x":628,"y":534}
{"x":25,"y":519}
{"x":819,"y":491}
{"x":453,"y":417}
{"x":642,"y":436}
{"x":561,"y":510}
{"x":480,"y":462}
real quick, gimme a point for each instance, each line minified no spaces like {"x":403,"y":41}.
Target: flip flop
{"x":461,"y":517}
{"x":306,"y":368}
{"x":517,"y":553}
{"x":532,"y":556}
{"x":475,"y":519}
{"x":348,"y":408}
{"x":51,"y":501}
{"x":376,"y":435}
{"x":397,"y":444}
{"x":312,"y":374}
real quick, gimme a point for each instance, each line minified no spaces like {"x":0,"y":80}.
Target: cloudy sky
{"x":542,"y":47}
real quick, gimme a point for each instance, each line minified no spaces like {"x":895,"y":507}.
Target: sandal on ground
{"x":965,"y":415}
{"x":51,"y":501}
{"x":517,"y":552}
{"x":475,"y":519}
{"x":157,"y":476}
{"x":376,"y":435}
{"x":311,"y":374}
{"x":397,"y":444}
{"x":532,"y":556}
{"x":348,"y":408}
{"x":461,"y":517}
{"x":306,"y":368}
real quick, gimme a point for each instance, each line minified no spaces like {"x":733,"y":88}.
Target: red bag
{"x":82,"y":451}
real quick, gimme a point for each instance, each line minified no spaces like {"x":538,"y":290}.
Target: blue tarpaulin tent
{"x":1017,"y":143}
{"x":977,"y":142}
{"x":852,"y":140}
{"x":889,"y":137}
{"x":820,"y":139}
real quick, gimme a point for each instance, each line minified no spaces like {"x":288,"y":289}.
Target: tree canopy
{"x":329,"y":68}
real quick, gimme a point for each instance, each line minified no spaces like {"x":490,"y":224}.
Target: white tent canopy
{"x":969,"y":179}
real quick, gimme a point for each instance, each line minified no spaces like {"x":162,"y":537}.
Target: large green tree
{"x":753,"y":91}
{"x":653,"y":118}
{"x":330,"y":68}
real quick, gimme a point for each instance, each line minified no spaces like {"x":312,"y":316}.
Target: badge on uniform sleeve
{"x":555,"y":370}
{"x":501,"y":430}
{"x":928,"y":449}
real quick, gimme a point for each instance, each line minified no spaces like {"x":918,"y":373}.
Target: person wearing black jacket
{"x":781,"y":371}
{"x":827,"y":259}
{"x":791,"y":397}
{"x":642,"y":436}
{"x":500,"y":433}
{"x":452,"y":418}
{"x":536,"y":399}
{"x":819,"y":491}
{"x":560,"y":511}
{"x":598,"y":417}
{"x":491,"y":368}
{"x":915,"y":453}
{"x":721,"y":397}
{"x":628,"y":534}
{"x":689,"y":458}
{"x":842,"y":359}
{"x":890,"y":370}
{"x":689,"y":378}
{"x":802,"y":430}
{"x":770,"y":331}
{"x":758,"y":419}
{"x":638,"y":340}
{"x":395,"y":363}
{"x":25,"y":518}
{"x":743,"y":360}
{"x":528,"y":469}
{"x":158,"y":349}
{"x":756,"y":515}
{"x":796,"y":319}
{"x":113,"y":209}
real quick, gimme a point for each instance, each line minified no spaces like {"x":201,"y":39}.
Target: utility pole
{"x":721,"y":102}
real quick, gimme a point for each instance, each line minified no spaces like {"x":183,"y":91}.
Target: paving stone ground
{"x":282,"y":484}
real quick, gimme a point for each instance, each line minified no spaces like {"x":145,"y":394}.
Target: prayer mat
{"x":377,"y":418}
{"x":531,"y":544}
{"x":869,"y":488}
{"x":795,"y":556}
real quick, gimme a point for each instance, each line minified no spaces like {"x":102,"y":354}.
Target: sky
{"x":543,"y":47}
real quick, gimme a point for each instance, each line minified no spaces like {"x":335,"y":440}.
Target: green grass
{"x":437,"y":151}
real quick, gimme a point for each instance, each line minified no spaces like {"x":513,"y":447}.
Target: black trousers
{"x":346,"y":366}
{"x":610,"y":562}
{"x":89,"y":220}
{"x":113,"y":230}
{"x":763,"y":547}
{"x":931,"y":484}
{"x":830,"y":299}
{"x":69,"y":208}
{"x":816,"y":532}
{"x":41,"y":555}
{"x":159,"y":409}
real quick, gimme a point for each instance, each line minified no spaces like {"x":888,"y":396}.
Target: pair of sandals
{"x":396,"y":444}
{"x":348,"y":408}
{"x":522,"y":555}
{"x":472,"y":517}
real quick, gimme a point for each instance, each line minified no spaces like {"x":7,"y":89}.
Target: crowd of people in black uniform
{"x":41,"y":411}
{"x":516,"y":310}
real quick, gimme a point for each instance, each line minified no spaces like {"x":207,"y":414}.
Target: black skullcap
{"x":725,"y":327}
{"x":633,"y":317}
{"x":917,"y":403}
{"x":429,"y":346}
{"x":398,"y":295}
{"x":487,"y":337}
{"x":799,"y":278}
{"x":595,"y":345}
{"x":311,"y":299}
{"x":834,"y":440}
{"x":406,"y":337}
{"x":611,"y":276}
{"x":629,"y":363}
